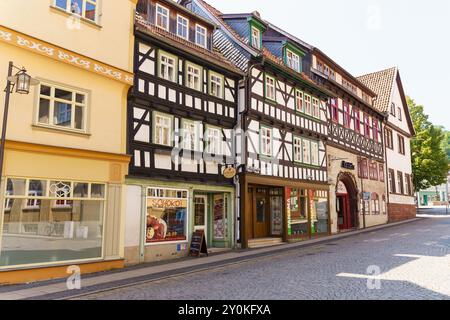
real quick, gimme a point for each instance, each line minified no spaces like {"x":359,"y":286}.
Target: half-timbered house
{"x":281,"y":154}
{"x":181,"y":115}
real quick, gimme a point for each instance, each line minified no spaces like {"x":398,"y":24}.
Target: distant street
{"x":411,"y":261}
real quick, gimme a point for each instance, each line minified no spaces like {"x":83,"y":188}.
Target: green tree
{"x":429,"y":161}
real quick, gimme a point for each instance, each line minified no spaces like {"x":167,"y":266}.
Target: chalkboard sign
{"x":198,"y":244}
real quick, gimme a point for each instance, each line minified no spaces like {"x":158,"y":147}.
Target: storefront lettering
{"x":347,"y":165}
{"x":168,"y":203}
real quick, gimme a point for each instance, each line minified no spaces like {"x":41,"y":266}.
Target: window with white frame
{"x":85,"y":8}
{"x":306,"y":150}
{"x":167,"y":66}
{"x":162,"y":17}
{"x":200,"y":36}
{"x":62,"y":107}
{"x":214,"y":140}
{"x":182,"y":27}
{"x":308,"y":109}
{"x":270,"y":88}
{"x":266,"y":141}
{"x":315,"y":108}
{"x":162,"y":129}
{"x":256,"y":38}
{"x":190,"y":135}
{"x":292,"y":60}
{"x":193,"y":76}
{"x":299,"y":101}
{"x":216,"y":85}
{"x":314,"y":153}
{"x":298,"y":149}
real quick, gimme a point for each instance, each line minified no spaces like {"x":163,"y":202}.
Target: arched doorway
{"x":346,"y":202}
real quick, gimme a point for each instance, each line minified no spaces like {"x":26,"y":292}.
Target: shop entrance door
{"x":343,"y":212}
{"x":261,"y":214}
{"x":201,"y":213}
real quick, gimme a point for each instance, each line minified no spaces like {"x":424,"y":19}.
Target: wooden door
{"x":261,"y":214}
{"x":343,"y":211}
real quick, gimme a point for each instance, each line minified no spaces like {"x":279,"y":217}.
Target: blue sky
{"x":370,"y":35}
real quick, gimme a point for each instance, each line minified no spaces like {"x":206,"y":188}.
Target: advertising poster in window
{"x":276,"y":211}
{"x":166,"y":219}
{"x":220,"y":221}
{"x":288,"y":210}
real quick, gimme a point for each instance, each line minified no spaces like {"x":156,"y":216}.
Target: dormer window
{"x":182,"y":27}
{"x":162,"y":17}
{"x":200,"y":36}
{"x":293,"y":60}
{"x":256,"y":38}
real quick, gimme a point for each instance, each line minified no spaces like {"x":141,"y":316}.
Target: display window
{"x":220,"y":223}
{"x":166,"y":219}
{"x":298,"y":209}
{"x":51,"y":221}
{"x":319,"y":212}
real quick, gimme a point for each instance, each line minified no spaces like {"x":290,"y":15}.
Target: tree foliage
{"x":429,"y":160}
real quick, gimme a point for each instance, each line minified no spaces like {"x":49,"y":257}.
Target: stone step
{"x":264,"y":242}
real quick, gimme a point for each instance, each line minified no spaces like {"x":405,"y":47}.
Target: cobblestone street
{"x":413,"y":260}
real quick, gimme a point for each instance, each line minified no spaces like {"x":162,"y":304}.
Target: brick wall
{"x":399,"y":212}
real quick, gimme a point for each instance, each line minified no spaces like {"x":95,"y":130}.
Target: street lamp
{"x":22,"y":82}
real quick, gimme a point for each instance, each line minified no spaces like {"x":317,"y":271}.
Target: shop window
{"x":298,"y":212}
{"x":61,"y":107}
{"x":167,"y":214}
{"x":276,"y":211}
{"x":50,"y":222}
{"x":220,"y":227}
{"x":319,"y":212}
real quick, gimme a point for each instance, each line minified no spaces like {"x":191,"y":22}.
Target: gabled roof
{"x":382,"y":83}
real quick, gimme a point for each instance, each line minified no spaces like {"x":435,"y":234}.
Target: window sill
{"x":61,"y":130}
{"x":82,"y":19}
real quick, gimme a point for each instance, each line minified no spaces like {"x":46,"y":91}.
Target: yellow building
{"x":65,"y":157}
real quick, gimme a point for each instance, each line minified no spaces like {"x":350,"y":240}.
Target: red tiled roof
{"x":381,"y":82}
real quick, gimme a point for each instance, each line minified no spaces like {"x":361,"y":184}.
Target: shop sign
{"x":367,"y":196}
{"x":229,"y":172}
{"x":167,"y":203}
{"x":347,"y":165}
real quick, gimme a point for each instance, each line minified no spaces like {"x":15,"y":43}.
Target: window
{"x":408,"y":188}
{"x":62,"y":107}
{"x":167,"y":66}
{"x":266,"y":141}
{"x":190,"y":135}
{"x":347,"y":117}
{"x":64,"y":233}
{"x":391,"y":177}
{"x":334,"y":110}
{"x":315,"y":108}
{"x":256,"y":38}
{"x":162,"y":132}
{"x":366,"y":126}
{"x":200,"y":36}
{"x":363,"y":171}
{"x":299,"y":101}
{"x":320,"y":66}
{"x":84,"y":8}
{"x":374,"y":171}
{"x":389,"y":139}
{"x":308,"y":110}
{"x":400,"y":187}
{"x":182,"y":27}
{"x":293,"y":60}
{"x":375,"y":129}
{"x":381,"y":172}
{"x":393,"y":109}
{"x":193,"y":76}
{"x":167,"y":215}
{"x":216,"y":85}
{"x":162,"y":17}
{"x":270,"y":88}
{"x":357,"y":120}
{"x":298,"y":149}
{"x":383,"y":204}
{"x":399,"y":113}
{"x":214,"y":140}
{"x":375,"y":204}
{"x":401,"y":144}
{"x":306,"y":151}
{"x":314,"y":153}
